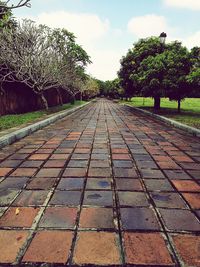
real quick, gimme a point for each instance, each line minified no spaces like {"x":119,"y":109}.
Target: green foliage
{"x":190,"y":114}
{"x":152,"y":69}
{"x":9,"y":121}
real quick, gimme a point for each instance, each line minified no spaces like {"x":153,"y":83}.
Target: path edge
{"x":191,"y":130}
{"x":27,"y":130}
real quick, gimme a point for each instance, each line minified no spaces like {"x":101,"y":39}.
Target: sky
{"x":106,"y":29}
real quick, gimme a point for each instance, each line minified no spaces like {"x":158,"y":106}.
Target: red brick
{"x":146,"y":249}
{"x":24,"y":217}
{"x":54,"y":164}
{"x":4,"y":171}
{"x":186,"y":185}
{"x":24,"y":172}
{"x":193,"y":199}
{"x":98,"y":248}
{"x":50,"y":247}
{"x":120,"y":151}
{"x":10,"y":243}
{"x":188,"y":248}
{"x":121,"y":156}
{"x":96,"y":218}
{"x":39,"y":156}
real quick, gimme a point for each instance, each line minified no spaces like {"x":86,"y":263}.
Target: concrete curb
{"x":19,"y":134}
{"x":188,"y":129}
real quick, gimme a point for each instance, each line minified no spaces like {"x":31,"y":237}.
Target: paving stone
{"x":18,"y":217}
{"x":59,"y":217}
{"x":66,"y":198}
{"x":186,"y":186}
{"x":4,"y":171}
{"x":146,"y":165}
{"x":96,"y":183}
{"x":21,"y":172}
{"x":123,"y":163}
{"x":59,"y":157}
{"x":98,"y":218}
{"x":190,"y":166}
{"x":7,"y":196}
{"x":30,"y":198}
{"x":193,"y":199}
{"x":121,"y":156}
{"x":194,"y":174}
{"x":17,"y":156}
{"x":99,"y":164}
{"x":13,"y":183}
{"x":50,"y":247}
{"x":80,"y":156}
{"x":55,"y":164}
{"x":168,"y":165}
{"x":74,"y":172}
{"x":77,"y":164}
{"x":82,"y":151}
{"x":39,"y":157}
{"x":158,"y":185}
{"x":187,"y":247}
{"x":98,"y":198}
{"x":102,"y":249}
{"x":138,"y":219}
{"x":151,"y":174}
{"x":32,"y":164}
{"x":10,"y":163}
{"x":120,"y":151}
{"x":147,"y":249}
{"x":128,"y":184}
{"x":179,"y":220}
{"x":71,"y":184}
{"x":2,"y":210}
{"x":10,"y":242}
{"x":125,"y":173}
{"x":132,"y":199}
{"x":41,"y":183}
{"x":99,"y":172}
{"x":168,"y":200}
{"x":49,"y":172}
{"x":177,"y":175}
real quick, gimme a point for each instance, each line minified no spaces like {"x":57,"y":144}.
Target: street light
{"x":163,"y":37}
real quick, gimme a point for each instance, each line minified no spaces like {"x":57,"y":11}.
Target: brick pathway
{"x":105,"y":186}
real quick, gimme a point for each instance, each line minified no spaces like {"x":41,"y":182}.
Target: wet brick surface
{"x":104,"y":186}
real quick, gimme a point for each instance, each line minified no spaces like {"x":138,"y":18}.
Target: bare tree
{"x":6,"y":6}
{"x":27,"y":55}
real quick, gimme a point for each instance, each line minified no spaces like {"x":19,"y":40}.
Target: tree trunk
{"x":44,"y":102}
{"x":179,"y":105}
{"x":157,"y":103}
{"x":59,"y":97}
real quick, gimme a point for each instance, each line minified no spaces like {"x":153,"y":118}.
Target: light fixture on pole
{"x":163,"y":37}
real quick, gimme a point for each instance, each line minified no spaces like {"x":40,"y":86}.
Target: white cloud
{"x":193,"y":40}
{"x":149,"y":25}
{"x":106,"y":63}
{"x":90,"y":31}
{"x":189,"y":4}
{"x":86,"y":27}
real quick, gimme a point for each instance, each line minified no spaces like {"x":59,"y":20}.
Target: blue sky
{"x":107,"y":28}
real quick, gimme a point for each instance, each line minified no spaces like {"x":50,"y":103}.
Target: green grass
{"x":10,"y":121}
{"x":190,"y":109}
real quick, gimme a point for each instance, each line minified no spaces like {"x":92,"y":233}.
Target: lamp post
{"x":163,"y":37}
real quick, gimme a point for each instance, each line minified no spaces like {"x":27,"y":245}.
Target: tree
{"x":193,"y":77}
{"x":132,"y":73}
{"x":178,"y":65}
{"x":6,"y":6}
{"x":41,"y":58}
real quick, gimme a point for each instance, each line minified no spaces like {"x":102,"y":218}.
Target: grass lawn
{"x":190,"y":109}
{"x":9,"y":121}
